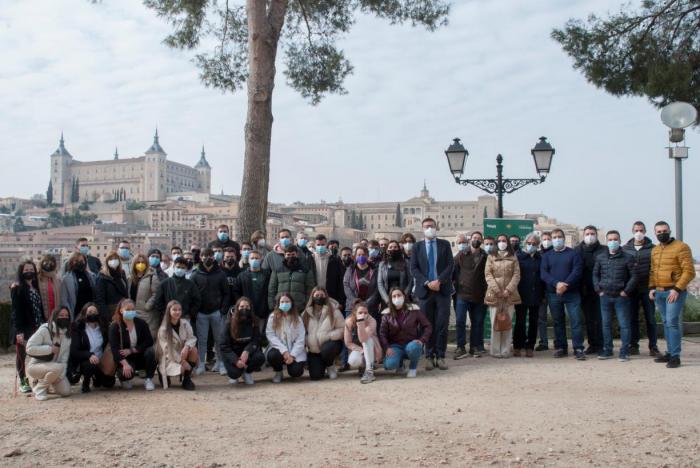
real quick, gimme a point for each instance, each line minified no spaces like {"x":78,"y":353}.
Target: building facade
{"x":151,"y":177}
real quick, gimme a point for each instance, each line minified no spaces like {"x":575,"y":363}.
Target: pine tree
{"x":399,"y":219}
{"x":77,"y":190}
{"x":49,"y":194}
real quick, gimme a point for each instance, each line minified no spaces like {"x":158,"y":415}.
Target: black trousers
{"x":590,"y":305}
{"x":319,"y":361}
{"x":274,"y":358}
{"x":255,"y":363}
{"x":140,"y":361}
{"x":20,"y":359}
{"x":90,"y":371}
{"x":525,"y":317}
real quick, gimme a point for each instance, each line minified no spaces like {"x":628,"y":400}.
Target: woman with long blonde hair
{"x":176,"y":348}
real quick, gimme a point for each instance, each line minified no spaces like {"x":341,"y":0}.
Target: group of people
{"x":311,"y":305}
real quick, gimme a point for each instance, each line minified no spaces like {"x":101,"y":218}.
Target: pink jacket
{"x":365,"y":330}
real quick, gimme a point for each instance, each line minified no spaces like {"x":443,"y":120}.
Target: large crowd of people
{"x":310,"y":305}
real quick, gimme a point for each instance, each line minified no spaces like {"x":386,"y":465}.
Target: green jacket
{"x":298,"y":283}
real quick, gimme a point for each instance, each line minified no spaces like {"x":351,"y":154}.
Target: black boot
{"x":663,"y":358}
{"x":187,"y":383}
{"x":674,"y":362}
{"x":86,"y":385}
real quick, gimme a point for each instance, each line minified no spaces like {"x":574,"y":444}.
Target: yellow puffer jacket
{"x":671,"y":266}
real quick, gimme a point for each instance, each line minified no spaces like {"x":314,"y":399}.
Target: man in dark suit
{"x":431,"y":266}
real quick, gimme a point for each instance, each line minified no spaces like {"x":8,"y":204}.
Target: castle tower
{"x":61,"y":178}
{"x":154,"y":172}
{"x":424,"y":193}
{"x":204,"y":173}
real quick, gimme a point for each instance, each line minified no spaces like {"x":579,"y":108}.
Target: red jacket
{"x":414,"y":327}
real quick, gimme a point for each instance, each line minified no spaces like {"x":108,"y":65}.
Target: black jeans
{"x":139,"y":361}
{"x":90,"y":371}
{"x":521,"y":338}
{"x":642,"y":298}
{"x":20,"y":359}
{"x":437,"y":308}
{"x":319,"y":361}
{"x":274,"y":358}
{"x":254,"y":364}
{"x":590,"y":305}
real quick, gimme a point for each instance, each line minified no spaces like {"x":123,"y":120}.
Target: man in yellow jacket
{"x":671,"y":271}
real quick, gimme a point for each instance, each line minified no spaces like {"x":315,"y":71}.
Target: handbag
{"x":502,"y":321}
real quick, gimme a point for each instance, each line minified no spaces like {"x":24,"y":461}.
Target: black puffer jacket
{"x":109,"y":291}
{"x":214,"y":291}
{"x":589,"y":253}
{"x":642,"y":258}
{"x":614,"y":273}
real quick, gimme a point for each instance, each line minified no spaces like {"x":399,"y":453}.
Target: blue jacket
{"x":419,"y":268}
{"x":565,"y":265}
{"x":531,"y":288}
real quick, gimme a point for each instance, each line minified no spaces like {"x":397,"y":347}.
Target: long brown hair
{"x":356,"y":304}
{"x":52,"y":326}
{"x":117,"y":317}
{"x":82,"y":315}
{"x":74,"y":258}
{"x":234,"y":316}
{"x":278,"y":316}
{"x":310,"y":303}
{"x":167,"y":323}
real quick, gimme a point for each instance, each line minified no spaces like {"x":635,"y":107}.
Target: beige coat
{"x":168,"y":352}
{"x":328,"y":325}
{"x":40,"y":344}
{"x":502,"y":273}
{"x":145,"y":293}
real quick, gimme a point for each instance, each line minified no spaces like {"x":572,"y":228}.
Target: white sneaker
{"x":248,"y":378}
{"x":277,"y":377}
{"x":148,"y":383}
{"x":411,"y":373}
{"x":332,"y":372}
{"x":200,"y":369}
{"x":126,"y":385}
{"x":41,"y":396}
{"x":233,"y":381}
{"x":222,"y":368}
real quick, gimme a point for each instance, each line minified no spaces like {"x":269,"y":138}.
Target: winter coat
{"x":119,"y":338}
{"x":248,"y":340}
{"x":182,"y":290}
{"x":43,"y":279}
{"x":168,"y":351}
{"x":291,"y":338}
{"x":213,"y":290}
{"x":80,"y":344}
{"x":244,"y":287}
{"x":564,"y":266}
{"x":405,"y":279}
{"x":109,"y":291}
{"x":361,"y":332}
{"x":614,"y":273}
{"x":588,"y":254}
{"x":22,"y":314}
{"x":642,"y":261}
{"x":531,"y":288}
{"x":470,"y":279}
{"x":297,"y":282}
{"x":145,"y":295}
{"x":41,"y":343}
{"x":335,"y":271}
{"x":69,"y":291}
{"x":671,"y":266}
{"x":321,"y":327}
{"x":415,"y":326}
{"x":274,"y":260}
{"x":352,"y":287}
{"x":502,"y":274}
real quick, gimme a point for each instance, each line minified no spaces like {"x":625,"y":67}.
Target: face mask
{"x":321,"y":249}
{"x":515,"y":245}
{"x":245,"y":253}
{"x":613,"y":245}
{"x":291,"y":261}
{"x":48,"y":267}
{"x":476,"y":243}
{"x":395,"y":254}
{"x":190,"y":264}
{"x":373,"y":253}
{"x":84,"y":249}
{"x":529,"y":248}
{"x":129,"y":314}
{"x":114,"y":263}
{"x":462,"y":246}
{"x":244,"y":314}
{"x":285,"y":242}
{"x":261,"y":243}
{"x":639,"y":236}
{"x":124,"y":253}
{"x":664,"y":237}
{"x":154,"y":261}
{"x":319,"y":300}
{"x":590,"y":239}
{"x":558,"y":243}
{"x":430,"y":232}
{"x":218,"y":256}
{"x":92,"y":318}
{"x":63,"y":323}
{"x":255,"y":264}
{"x":179,"y":272}
{"x":408,"y":246}
{"x":546,"y":244}
{"x":230,"y":262}
{"x":397,"y":301}
{"x":80,"y":266}
{"x":361,"y":260}
{"x":208,"y":262}
{"x":502,"y":246}
{"x":347,"y":260}
{"x":196,"y":252}
{"x":223,"y":236}
{"x":302,"y":242}
{"x":334,"y":250}
{"x":28,"y":275}
{"x":285,"y":306}
{"x":488,"y":248}
{"x":140,"y":267}
{"x":176,"y":257}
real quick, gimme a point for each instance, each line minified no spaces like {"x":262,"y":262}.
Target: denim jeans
{"x":571,"y":301}
{"x":671,"y":315}
{"x":410,"y":351}
{"x":620,"y":306}
{"x":476,"y":317}
{"x":637,"y":299}
{"x":204,"y":321}
{"x":542,"y":324}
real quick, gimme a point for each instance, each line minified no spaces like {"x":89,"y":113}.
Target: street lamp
{"x":677,"y":116}
{"x":457,"y":155}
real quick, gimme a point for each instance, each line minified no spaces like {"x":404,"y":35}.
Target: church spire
{"x":61,"y":151}
{"x":203,"y":163}
{"x":116,"y":153}
{"x":155,"y":147}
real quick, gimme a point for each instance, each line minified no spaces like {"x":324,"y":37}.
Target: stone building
{"x":151,"y":177}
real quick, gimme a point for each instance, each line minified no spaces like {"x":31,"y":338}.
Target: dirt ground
{"x":513,"y":412}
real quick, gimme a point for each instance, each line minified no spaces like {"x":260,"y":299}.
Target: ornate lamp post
{"x":542,"y":155}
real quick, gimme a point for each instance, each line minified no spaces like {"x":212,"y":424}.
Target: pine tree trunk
{"x":264,"y":26}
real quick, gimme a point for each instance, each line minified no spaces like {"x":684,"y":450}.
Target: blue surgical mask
{"x":529,"y":248}
{"x":558,"y":243}
{"x":129,"y":314}
{"x":84,"y":250}
{"x":302,"y":242}
{"x":285,"y":307}
{"x":245,"y":253}
{"x":488,"y":248}
{"x":373,"y":253}
{"x":462,"y":246}
{"x":255,"y":264}
{"x":179,"y":272}
{"x":218,"y":256}
{"x":124,"y":253}
{"x":154,"y":261}
{"x":613,"y":245}
{"x":321,"y":249}
{"x":285,"y":242}
{"x":223,"y":236}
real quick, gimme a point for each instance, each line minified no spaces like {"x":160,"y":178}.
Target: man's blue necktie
{"x":431,"y":261}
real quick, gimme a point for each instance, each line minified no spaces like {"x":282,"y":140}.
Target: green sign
{"x":509,"y":227}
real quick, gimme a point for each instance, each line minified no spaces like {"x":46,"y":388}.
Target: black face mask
{"x":208,"y":262}
{"x":63,"y":323}
{"x":334,"y":250}
{"x":189,"y":263}
{"x":476,"y":243}
{"x":231,"y":262}
{"x":515,"y":245}
{"x":80,"y":266}
{"x":319,"y":300}
{"x":395,"y":254}
{"x":196,"y":252}
{"x":48,"y":267}
{"x":92,"y":318}
{"x":243,"y":314}
{"x":664,"y":237}
{"x":28,"y":275}
{"x":347,"y":261}
{"x":291,"y":261}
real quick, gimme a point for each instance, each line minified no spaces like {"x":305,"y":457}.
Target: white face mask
{"x":502,"y":246}
{"x":429,"y":232}
{"x":639,"y":236}
{"x":397,"y":301}
{"x":546,"y":244}
{"x":408,"y":246}
{"x":590,"y":239}
{"x":114,"y":263}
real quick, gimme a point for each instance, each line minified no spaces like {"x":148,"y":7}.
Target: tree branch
{"x":306,"y":20}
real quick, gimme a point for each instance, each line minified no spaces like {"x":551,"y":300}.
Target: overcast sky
{"x":493,"y":77}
